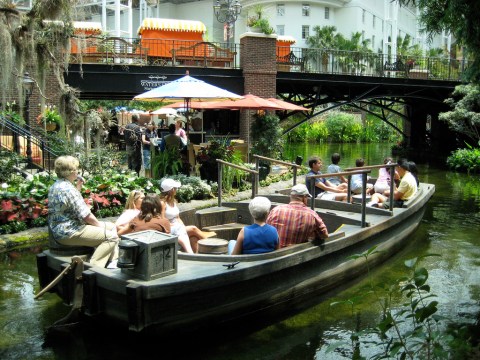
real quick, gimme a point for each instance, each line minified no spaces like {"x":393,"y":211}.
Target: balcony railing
{"x":194,"y":53}
{"x":356,"y":63}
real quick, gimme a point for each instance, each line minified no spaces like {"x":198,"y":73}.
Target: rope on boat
{"x":75,"y":261}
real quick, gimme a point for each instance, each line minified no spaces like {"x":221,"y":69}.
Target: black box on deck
{"x":157,"y":254}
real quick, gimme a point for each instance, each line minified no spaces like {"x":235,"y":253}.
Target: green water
{"x":449,"y":228}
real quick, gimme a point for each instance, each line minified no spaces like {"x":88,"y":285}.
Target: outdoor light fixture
{"x":127,"y":256}
{"x":27,"y":83}
{"x":227,"y":12}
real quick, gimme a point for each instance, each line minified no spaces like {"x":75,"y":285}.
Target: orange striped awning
{"x":286,"y":39}
{"x":90,"y":26}
{"x":171,"y":25}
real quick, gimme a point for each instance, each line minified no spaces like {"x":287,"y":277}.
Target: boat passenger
{"x":335,"y":168}
{"x":296,"y":222}
{"x":150,"y":217}
{"x":132,"y":207}
{"x":406,"y":189}
{"x":188,"y":236}
{"x":70,"y":219}
{"x":259,"y":237}
{"x":383,"y":180}
{"x":324,"y":189}
{"x":356,"y":180}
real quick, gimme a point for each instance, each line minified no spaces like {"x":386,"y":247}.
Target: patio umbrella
{"x":249,"y":102}
{"x":164,"y":111}
{"x":197,"y":105}
{"x":288,"y":106}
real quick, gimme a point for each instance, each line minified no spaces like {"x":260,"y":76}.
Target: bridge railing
{"x":340,"y":62}
{"x":195,"y":53}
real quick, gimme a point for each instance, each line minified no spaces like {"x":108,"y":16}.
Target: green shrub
{"x":465,"y":160}
{"x":343,"y":127}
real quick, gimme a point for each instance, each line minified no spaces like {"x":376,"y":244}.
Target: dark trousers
{"x":134,"y":158}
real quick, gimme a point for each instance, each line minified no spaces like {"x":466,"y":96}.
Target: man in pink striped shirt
{"x":295,"y":222}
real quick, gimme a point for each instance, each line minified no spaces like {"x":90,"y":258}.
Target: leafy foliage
{"x":465,"y":160}
{"x":266,"y":135}
{"x":465,"y":116}
{"x":342,"y":127}
{"x":167,"y":162}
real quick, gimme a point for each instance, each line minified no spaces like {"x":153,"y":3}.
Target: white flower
{"x":29,"y":177}
{"x":33,"y":191}
{"x":4,"y":185}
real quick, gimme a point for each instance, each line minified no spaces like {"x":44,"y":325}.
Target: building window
{"x":280,"y":9}
{"x":363,"y":35}
{"x":305,"y":10}
{"x":327,"y":13}
{"x":373,"y":42}
{"x":305,"y":31}
{"x":363,"y":16}
{"x":373,"y":21}
{"x":280,"y":29}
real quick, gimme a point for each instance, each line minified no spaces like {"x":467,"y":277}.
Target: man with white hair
{"x":259,"y":237}
{"x":295,"y":222}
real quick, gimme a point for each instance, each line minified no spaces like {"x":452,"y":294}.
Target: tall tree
{"x":460,"y":17}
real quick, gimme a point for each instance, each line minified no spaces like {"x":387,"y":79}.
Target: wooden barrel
{"x":213,"y":246}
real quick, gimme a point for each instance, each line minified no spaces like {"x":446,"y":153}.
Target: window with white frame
{"x":364,"y":14}
{"x":363,"y":35}
{"x":280,"y":9}
{"x":305,"y":31}
{"x":373,"y":42}
{"x":373,"y":21}
{"x":327,"y":13}
{"x":280,"y":29}
{"x":305,"y":9}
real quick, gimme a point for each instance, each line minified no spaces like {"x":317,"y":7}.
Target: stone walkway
{"x":40,"y":235}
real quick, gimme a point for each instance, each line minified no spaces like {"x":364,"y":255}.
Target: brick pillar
{"x":258,"y":62}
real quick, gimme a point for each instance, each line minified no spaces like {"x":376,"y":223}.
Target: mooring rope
{"x":75,"y":261}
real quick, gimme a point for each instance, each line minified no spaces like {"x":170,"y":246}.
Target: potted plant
{"x":50,"y":118}
{"x":258,"y":23}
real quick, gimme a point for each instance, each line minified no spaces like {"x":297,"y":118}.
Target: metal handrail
{"x":293,"y":165}
{"x":220,"y":178}
{"x":35,"y":138}
{"x":349,"y":174}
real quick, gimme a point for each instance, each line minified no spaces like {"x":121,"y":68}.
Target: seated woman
{"x":259,"y":237}
{"x":71,"y":221}
{"x":178,"y":228}
{"x":132,"y":207}
{"x":405,"y":191}
{"x":150,"y":217}
{"x":383,"y":181}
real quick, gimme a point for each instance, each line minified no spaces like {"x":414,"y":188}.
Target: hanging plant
{"x":50,"y":118}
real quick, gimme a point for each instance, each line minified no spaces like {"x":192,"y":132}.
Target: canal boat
{"x":169,"y":291}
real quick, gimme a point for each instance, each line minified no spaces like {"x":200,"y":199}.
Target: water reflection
{"x":450,"y":228}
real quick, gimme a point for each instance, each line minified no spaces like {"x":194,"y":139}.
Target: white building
{"x":381,"y":21}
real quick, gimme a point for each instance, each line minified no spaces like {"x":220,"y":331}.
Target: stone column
{"x":258,"y":62}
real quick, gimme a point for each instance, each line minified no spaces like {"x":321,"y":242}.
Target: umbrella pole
{"x":187,"y":103}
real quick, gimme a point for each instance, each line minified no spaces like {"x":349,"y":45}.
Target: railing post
{"x":364,"y":197}
{"x":294,"y":175}
{"x":392,"y":187}
{"x":257,"y":168}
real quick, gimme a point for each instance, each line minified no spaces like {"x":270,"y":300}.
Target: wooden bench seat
{"x":290,"y":62}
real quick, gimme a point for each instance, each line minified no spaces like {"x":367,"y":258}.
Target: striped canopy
{"x":171,"y":25}
{"x":90,"y":26}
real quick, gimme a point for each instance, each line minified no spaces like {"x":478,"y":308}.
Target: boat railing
{"x":349,"y":174}
{"x":294,"y":166}
{"x":222,"y":163}
{"x":390,"y":167}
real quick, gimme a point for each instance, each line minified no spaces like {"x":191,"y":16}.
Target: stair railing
{"x":221,"y":163}
{"x":35,"y":137}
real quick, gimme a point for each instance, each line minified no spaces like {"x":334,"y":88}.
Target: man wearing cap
{"x":295,"y":222}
